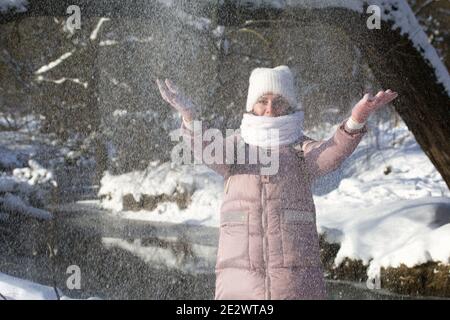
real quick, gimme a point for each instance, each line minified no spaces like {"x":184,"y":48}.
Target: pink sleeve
{"x":325,"y":156}
{"x":198,"y":146}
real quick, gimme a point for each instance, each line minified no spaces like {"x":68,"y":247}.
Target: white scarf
{"x":266,"y":132}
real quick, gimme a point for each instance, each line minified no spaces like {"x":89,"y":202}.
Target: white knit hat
{"x":278,"y":80}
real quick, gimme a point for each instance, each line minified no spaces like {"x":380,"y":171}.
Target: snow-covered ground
{"x":389,"y":234}
{"x":28,"y":161}
{"x":204,"y":185}
{"x":390,"y":205}
{"x":12,"y":288}
{"x":386,"y":219}
{"x":24,"y":183}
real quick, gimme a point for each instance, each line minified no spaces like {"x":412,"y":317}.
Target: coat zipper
{"x":227,"y":185}
{"x":264,"y":225}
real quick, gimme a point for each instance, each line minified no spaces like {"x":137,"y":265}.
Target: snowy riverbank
{"x":389,"y":205}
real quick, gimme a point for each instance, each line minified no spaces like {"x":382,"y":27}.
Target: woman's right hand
{"x":368,"y":104}
{"x":176,"y":99}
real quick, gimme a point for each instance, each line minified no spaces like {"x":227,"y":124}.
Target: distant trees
{"x":209,"y":50}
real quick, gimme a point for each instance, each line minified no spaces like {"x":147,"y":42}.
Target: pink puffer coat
{"x":268,"y":242}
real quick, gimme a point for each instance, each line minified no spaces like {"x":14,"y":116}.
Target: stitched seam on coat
{"x":250,"y":265}
{"x":266,"y":245}
{"x":292,"y":215}
{"x":239,"y":268}
{"x":281,"y":234}
{"x":233,"y":216}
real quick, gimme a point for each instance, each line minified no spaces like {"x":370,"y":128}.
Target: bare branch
{"x":424,"y":5}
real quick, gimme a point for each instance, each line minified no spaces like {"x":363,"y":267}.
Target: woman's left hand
{"x":368,"y":104}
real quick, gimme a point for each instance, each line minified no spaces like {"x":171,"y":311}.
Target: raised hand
{"x":170,"y":93}
{"x":369,"y":104}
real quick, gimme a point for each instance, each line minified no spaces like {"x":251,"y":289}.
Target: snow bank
{"x":393,"y":206}
{"x":25,"y":186}
{"x":34,"y":174}
{"x":411,"y":232}
{"x":13,"y":288}
{"x":31,"y":163}
{"x":204,"y":186}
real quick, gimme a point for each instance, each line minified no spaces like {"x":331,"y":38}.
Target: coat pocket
{"x":233,"y":244}
{"x":300,"y":241}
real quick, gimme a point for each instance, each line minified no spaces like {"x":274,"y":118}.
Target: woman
{"x":268,"y":242}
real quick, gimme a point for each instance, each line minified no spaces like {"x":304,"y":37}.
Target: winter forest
{"x":92,"y":205}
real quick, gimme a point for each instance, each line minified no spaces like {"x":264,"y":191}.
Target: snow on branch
{"x":62,"y":80}
{"x":94,"y":33}
{"x":54,"y":63}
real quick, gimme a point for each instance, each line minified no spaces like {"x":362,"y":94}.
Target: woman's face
{"x":271,"y":105}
